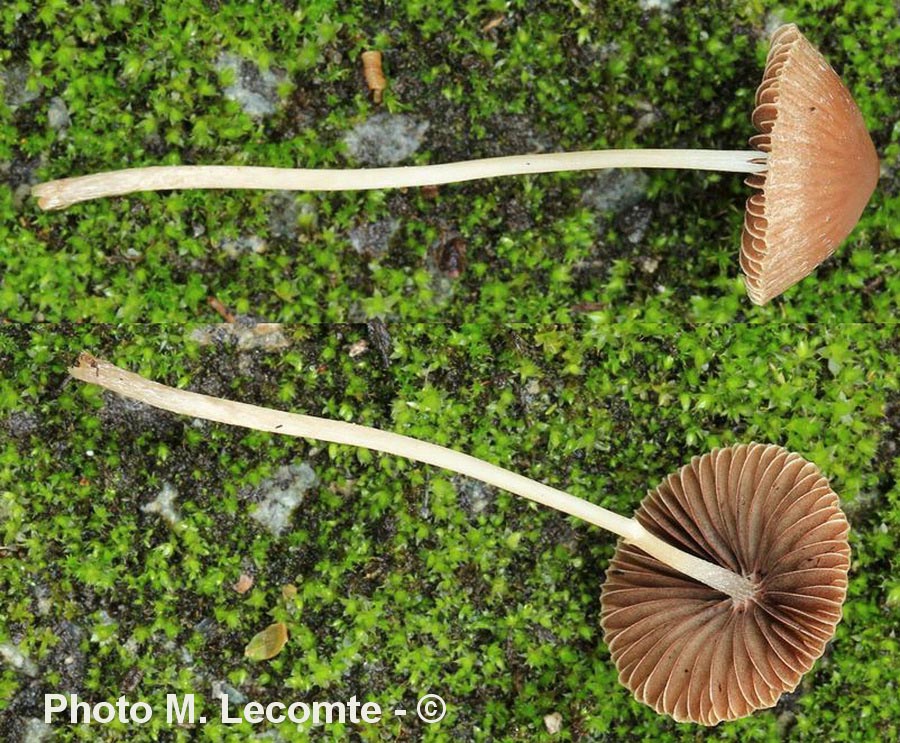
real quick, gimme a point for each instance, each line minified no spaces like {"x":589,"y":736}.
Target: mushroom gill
{"x":694,"y":653}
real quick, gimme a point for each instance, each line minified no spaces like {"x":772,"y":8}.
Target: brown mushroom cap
{"x":822,"y":168}
{"x":694,"y":653}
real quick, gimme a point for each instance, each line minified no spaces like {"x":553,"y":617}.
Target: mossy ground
{"x":404,"y":584}
{"x":139,"y":84}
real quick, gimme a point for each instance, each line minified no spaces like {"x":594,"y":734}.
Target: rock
{"x":224,"y":689}
{"x":615,"y":190}
{"x":14,"y":86}
{"x":105,"y":620}
{"x":135,"y":418}
{"x":634,"y":222}
{"x":67,"y":659}
{"x":235,"y":247}
{"x":58,"y":114}
{"x":385,"y":139}
{"x":530,"y":392}
{"x":515,"y":134}
{"x":358,"y":348}
{"x":17,"y":660}
{"x":474,"y":496}
{"x":553,"y":723}
{"x":649,"y":264}
{"x":36,"y":730}
{"x":244,"y":333}
{"x":647,"y":115}
{"x":661,"y":5}
{"x":164,"y":504}
{"x":255,"y":90}
{"x":19,"y":174}
{"x":283,"y":213}
{"x":278,"y":496}
{"x":373,"y":239}
{"x":22,"y":423}
{"x":208,"y":627}
{"x":42,"y":594}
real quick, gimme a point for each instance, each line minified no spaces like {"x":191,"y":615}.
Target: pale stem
{"x":97,"y":371}
{"x":62,"y":193}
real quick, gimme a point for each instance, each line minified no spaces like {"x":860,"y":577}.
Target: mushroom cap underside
{"x":694,"y":653}
{"x":821,"y":168}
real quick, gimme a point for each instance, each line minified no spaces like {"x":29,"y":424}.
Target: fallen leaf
{"x":268,"y":643}
{"x":492,"y":23}
{"x":243,"y":583}
{"x":373,"y":74}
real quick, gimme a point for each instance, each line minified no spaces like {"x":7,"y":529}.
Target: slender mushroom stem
{"x":62,"y":193}
{"x":135,"y":387}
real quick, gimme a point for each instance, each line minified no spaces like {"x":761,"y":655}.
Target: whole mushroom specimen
{"x":724,"y":588}
{"x":813,"y":161}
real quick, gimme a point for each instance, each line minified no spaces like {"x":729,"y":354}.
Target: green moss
{"x":141,"y":87}
{"x":404,"y":586}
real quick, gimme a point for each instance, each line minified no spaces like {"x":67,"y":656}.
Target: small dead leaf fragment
{"x":374,"y":75}
{"x":243,"y":584}
{"x":268,"y":643}
{"x":491,"y":24}
{"x":288,"y":591}
{"x":216,"y":304}
{"x":588,"y":307}
{"x":450,"y":255}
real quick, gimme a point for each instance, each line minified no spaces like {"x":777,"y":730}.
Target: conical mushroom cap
{"x":822,"y":168}
{"x":694,"y":653}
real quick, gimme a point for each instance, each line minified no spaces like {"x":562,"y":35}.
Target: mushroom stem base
{"x":740,"y":588}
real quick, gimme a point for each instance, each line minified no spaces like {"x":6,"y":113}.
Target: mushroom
{"x":724,"y":588}
{"x":813,"y":161}
{"x":821,"y":168}
{"x":693,"y":653}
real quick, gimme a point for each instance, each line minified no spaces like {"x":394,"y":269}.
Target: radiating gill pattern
{"x":690,"y":651}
